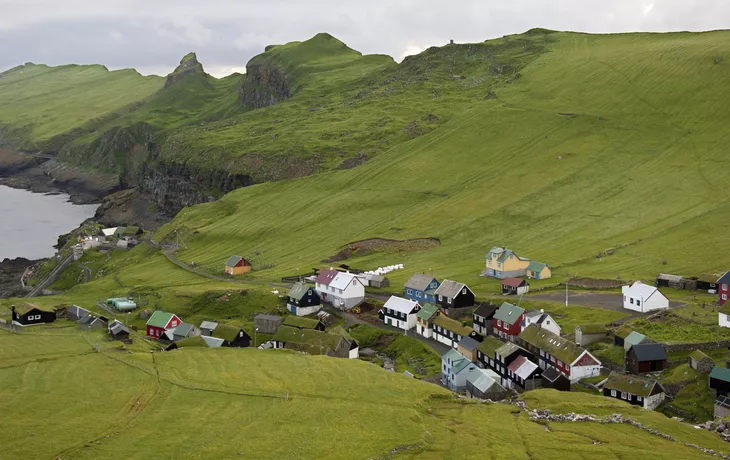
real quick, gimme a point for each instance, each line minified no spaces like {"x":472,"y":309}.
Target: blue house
{"x":421,"y":288}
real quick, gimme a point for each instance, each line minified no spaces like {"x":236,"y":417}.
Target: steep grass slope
{"x":604,"y":143}
{"x":226,"y":403}
{"x":39,"y":103}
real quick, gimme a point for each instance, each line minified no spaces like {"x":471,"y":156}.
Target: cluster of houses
{"x":292,"y":332}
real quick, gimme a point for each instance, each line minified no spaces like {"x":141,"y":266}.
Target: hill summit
{"x":189,"y":65}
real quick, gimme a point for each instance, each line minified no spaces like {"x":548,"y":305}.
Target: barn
{"x":237,"y":265}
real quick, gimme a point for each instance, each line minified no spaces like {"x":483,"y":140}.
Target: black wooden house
{"x":452,"y":294}
{"x":29,"y":315}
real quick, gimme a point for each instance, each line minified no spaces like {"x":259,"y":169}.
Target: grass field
{"x":604,"y":142}
{"x":226,"y":403}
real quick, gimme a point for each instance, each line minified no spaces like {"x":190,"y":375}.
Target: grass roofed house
{"x":586,"y":334}
{"x":336,"y":343}
{"x":449,"y":331}
{"x":303,"y":323}
{"x":570,"y":359}
{"x":638,"y":391}
{"x":700,"y":362}
{"x":232,"y":336}
{"x":30,"y":314}
{"x":486,"y":351}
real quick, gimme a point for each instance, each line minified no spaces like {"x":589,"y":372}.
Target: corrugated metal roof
{"x":210,"y":325}
{"x":509,"y":313}
{"x":468,"y":343}
{"x":427,"y":311}
{"x":650,"y":352}
{"x":212,"y":342}
{"x":400,"y":304}
{"x":326,"y":276}
{"x":299,"y":290}
{"x":159,"y":319}
{"x":450,"y":289}
{"x":634,"y":338}
{"x":342,"y":280}
{"x":419,"y":282}
{"x":481,"y":380}
{"x":672,"y":278}
{"x":512,"y":282}
{"x":233,"y":260}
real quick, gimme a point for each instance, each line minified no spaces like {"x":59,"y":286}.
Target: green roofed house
{"x":336,"y":343}
{"x":586,"y":334}
{"x":31,"y":314}
{"x":424,"y":319}
{"x":700,"y":362}
{"x":237,"y":265}
{"x":160,"y":322}
{"x":507,"y":321}
{"x":486,"y":352}
{"x":303,"y":323}
{"x":449,"y":331}
{"x":638,"y":391}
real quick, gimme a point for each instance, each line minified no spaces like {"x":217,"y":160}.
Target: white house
{"x":342,"y":290}
{"x":643,"y":298}
{"x":401,"y":313}
{"x":542,"y":320}
{"x":724,"y":319}
{"x":455,"y":369}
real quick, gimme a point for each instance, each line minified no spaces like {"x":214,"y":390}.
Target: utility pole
{"x":254,"y":336}
{"x":566,"y":291}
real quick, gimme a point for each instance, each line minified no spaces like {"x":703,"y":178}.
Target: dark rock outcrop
{"x":189,"y":65}
{"x":265,"y":85}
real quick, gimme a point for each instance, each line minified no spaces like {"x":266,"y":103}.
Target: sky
{"x":152,"y":35}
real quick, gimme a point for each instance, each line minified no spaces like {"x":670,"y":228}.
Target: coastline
{"x":10,"y":272}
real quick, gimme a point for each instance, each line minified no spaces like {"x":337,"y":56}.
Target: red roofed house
{"x":514,"y":286}
{"x":160,"y":322}
{"x":342,"y":290}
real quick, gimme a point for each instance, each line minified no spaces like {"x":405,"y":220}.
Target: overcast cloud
{"x":152,"y":35}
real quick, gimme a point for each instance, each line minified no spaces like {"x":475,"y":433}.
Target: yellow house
{"x":504,"y":263}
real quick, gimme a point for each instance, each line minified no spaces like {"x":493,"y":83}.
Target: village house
{"x":93,"y":322}
{"x":268,"y":324}
{"x":586,"y":334}
{"x":643,"y":298}
{"x":504,"y":263}
{"x":336,"y":343}
{"x":724,"y":315}
{"x":183,"y":331}
{"x":118,"y":331}
{"x":638,"y":391}
{"x":207,"y":328}
{"x":700,"y":362}
{"x":453,"y":294}
{"x":723,"y":291}
{"x":302,"y":323}
{"x":378,"y":281}
{"x":424,"y":320}
{"x":401,"y":313}
{"x":341,"y":290}
{"x":514,"y":286}
{"x":32,"y":315}
{"x":232,"y":336}
{"x":646,"y":357}
{"x":507,"y":321}
{"x":554,"y":379}
{"x":720,"y":380}
{"x":633,"y":338}
{"x":722,"y":407}
{"x":303,"y":300}
{"x":468,"y":348}
{"x":449,"y":331}
{"x":421,"y":288}
{"x":483,"y":384}
{"x":237,"y":265}
{"x":455,"y":369}
{"x":483,"y":319}
{"x":540,"y":319}
{"x":160,"y":322}
{"x":515,"y":368}
{"x":75,"y":313}
{"x":486,"y":352}
{"x":574,"y":362}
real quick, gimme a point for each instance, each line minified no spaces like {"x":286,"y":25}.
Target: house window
{"x":441,"y":298}
{"x":613,"y":393}
{"x":418,"y":294}
{"x":624,"y":395}
{"x":499,"y":323}
{"x":499,"y":265}
{"x":638,"y":398}
{"x":449,"y":300}
{"x":638,"y":303}
{"x":409,"y":291}
{"x":631,"y":300}
{"x":724,"y":297}
{"x":309,"y":292}
{"x":463,"y":291}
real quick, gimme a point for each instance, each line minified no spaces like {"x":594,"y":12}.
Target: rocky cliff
{"x":189,"y":65}
{"x":265,"y":85}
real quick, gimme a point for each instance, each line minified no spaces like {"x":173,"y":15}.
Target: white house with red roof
{"x":340,"y":289}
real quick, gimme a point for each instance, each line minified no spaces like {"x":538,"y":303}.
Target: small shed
{"x":646,"y":357}
{"x":468,"y":348}
{"x":268,"y":324}
{"x":118,"y":331}
{"x":303,"y":323}
{"x":670,"y":281}
{"x":237,"y":265}
{"x":378,"y":281}
{"x":586,"y":334}
{"x":232,"y":336}
{"x":700,"y":362}
{"x":634,"y":338}
{"x":92,"y":322}
{"x":720,"y":380}
{"x":484,"y":384}
{"x":553,"y":378}
{"x":514,"y":286}
{"x":722,"y":407}
{"x":75,"y":313}
{"x":207,"y":328}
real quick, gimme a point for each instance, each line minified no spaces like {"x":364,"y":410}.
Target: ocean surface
{"x":30,"y":223}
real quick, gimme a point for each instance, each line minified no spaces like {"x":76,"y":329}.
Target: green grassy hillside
{"x":39,"y":103}
{"x":226,"y":403}
{"x":604,"y":142}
